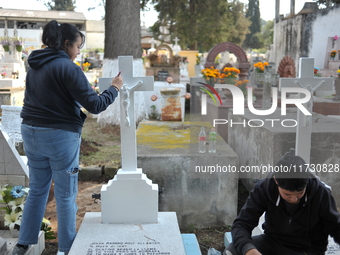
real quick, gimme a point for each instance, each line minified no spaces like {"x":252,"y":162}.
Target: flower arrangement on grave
{"x":338,"y":72}
{"x":243,"y":85}
{"x":5,"y":42}
{"x":86,"y":66}
{"x":316,"y":72}
{"x":334,"y":39}
{"x":13,"y":200}
{"x":94,"y":85}
{"x":154,"y":115}
{"x":46,"y":227}
{"x":198,"y":59}
{"x":227,"y":74}
{"x":3,"y":75}
{"x":332,"y":54}
{"x":260,"y":66}
{"x":17,"y":42}
{"x":210,"y":73}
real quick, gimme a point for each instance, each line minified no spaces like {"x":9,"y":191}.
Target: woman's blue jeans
{"x":52,"y":154}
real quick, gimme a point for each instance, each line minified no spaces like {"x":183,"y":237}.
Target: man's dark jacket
{"x":307,"y":229}
{"x":56,"y":89}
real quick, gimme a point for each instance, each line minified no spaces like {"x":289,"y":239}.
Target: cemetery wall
{"x":306,"y":35}
{"x":263,"y":146}
{"x":325,"y":25}
{"x":95,"y":30}
{"x":289,"y":39}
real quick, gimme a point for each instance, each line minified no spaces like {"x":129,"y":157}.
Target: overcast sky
{"x":267,"y":8}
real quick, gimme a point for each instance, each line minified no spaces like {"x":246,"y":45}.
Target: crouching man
{"x":300,"y":213}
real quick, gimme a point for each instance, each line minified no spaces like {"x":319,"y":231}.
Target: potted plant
{"x":210,"y":74}
{"x":333,"y":54}
{"x":259,"y":68}
{"x":17,"y":42}
{"x":5,"y":42}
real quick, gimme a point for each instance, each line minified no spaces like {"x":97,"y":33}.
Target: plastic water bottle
{"x":212,"y":141}
{"x":202,"y":137}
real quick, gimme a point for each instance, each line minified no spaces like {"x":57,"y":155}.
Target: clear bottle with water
{"x":212,"y":141}
{"x":202,"y":137}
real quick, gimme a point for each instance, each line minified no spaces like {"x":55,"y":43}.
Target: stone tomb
{"x":13,"y":171}
{"x":12,"y":96}
{"x":197,"y":186}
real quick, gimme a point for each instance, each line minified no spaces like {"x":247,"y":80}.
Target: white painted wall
{"x":320,"y":45}
{"x":31,"y":37}
{"x":308,"y":35}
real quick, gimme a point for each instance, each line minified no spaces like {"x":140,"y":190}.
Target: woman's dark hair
{"x":55,"y":34}
{"x":292,"y":173}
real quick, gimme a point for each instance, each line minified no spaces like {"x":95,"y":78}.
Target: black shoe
{"x":20,"y":249}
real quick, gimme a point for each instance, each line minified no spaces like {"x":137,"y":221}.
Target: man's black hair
{"x":292,"y":173}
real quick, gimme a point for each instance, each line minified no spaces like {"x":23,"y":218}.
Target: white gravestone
{"x":130,"y":197}
{"x":307,"y":81}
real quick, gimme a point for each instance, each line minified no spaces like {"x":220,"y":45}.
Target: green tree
{"x":122,"y":29}
{"x":201,"y":24}
{"x":267,"y":33}
{"x":323,"y":2}
{"x":60,"y":5}
{"x":253,"y":14}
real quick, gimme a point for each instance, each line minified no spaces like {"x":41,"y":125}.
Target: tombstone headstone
{"x":306,"y":80}
{"x":162,"y":75}
{"x":130,"y":197}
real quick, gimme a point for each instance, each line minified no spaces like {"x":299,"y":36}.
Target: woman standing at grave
{"x":56,"y":89}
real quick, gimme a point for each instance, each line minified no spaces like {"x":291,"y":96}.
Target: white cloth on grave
{"x":112,"y":114}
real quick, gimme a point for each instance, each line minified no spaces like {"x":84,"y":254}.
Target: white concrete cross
{"x":152,"y":41}
{"x":128,"y":132}
{"x":130,"y":197}
{"x":127,"y":105}
{"x":176,"y":40}
{"x":307,"y":81}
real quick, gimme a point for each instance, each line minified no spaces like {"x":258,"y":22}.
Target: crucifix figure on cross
{"x":306,"y":80}
{"x":127,"y":108}
{"x":125,"y":91}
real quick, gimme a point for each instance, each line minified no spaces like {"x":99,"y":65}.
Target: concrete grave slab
{"x":198,"y":187}
{"x":96,"y":238}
